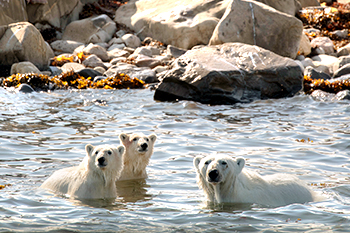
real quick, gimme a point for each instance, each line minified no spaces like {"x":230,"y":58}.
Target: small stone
{"x":131,"y":40}
{"x":25,"y":88}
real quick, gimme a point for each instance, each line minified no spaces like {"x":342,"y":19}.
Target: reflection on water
{"x":133,"y":190}
{"x":43,"y":132}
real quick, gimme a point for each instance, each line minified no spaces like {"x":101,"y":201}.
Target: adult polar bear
{"x":95,"y":176}
{"x":138,"y":151}
{"x":223,"y":180}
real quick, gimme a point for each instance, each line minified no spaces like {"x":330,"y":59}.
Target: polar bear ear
{"x":124,"y":138}
{"x":121,"y":150}
{"x":153,"y":137}
{"x":240,"y":163}
{"x":196,"y":162}
{"x":89,"y":149}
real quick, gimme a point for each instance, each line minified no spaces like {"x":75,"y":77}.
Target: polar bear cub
{"x":95,"y":176}
{"x":138,"y":151}
{"x":223,"y":179}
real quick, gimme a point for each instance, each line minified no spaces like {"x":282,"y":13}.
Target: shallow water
{"x":43,"y":132}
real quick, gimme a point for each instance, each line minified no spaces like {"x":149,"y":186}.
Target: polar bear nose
{"x":101,"y":161}
{"x":213,"y":176}
{"x":144,"y":146}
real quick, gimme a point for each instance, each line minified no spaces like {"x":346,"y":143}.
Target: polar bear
{"x":223,"y":180}
{"x":138,"y":151}
{"x":94,"y":177}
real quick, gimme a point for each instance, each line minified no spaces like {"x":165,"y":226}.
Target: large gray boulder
{"x":182,"y":23}
{"x":255,"y":23}
{"x":91,"y":30}
{"x":23,"y":42}
{"x":12,"y":11}
{"x":291,"y":7}
{"x":58,"y":13}
{"x":229,"y":73}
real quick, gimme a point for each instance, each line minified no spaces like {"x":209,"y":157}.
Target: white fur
{"x":135,"y":157}
{"x":90,"y":179}
{"x":237,"y":185}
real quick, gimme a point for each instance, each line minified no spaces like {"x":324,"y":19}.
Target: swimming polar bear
{"x":223,"y":180}
{"x":138,"y":151}
{"x":95,"y":176}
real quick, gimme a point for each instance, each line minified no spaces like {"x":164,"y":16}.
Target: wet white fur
{"x":88,"y":180}
{"x":135,"y":159}
{"x":238,"y":185}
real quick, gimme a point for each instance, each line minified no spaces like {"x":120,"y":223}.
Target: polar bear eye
{"x":147,"y":139}
{"x":96,"y":153}
{"x":135,"y":139}
{"x":223,"y":163}
{"x":109,"y":152}
{"x":207,"y":162}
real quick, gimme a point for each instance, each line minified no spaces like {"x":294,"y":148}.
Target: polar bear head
{"x":137,"y":145}
{"x":105,"y":158}
{"x":217,"y":169}
{"x":138,"y":151}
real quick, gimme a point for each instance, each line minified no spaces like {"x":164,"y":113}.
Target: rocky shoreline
{"x":214,"y":52}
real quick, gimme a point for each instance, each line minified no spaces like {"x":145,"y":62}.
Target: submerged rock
{"x":229,"y":73}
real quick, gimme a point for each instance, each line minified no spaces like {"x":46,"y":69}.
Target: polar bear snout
{"x":214,"y":176}
{"x":102,"y":162}
{"x":143,"y":147}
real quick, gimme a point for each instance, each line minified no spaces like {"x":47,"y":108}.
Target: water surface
{"x":43,"y":132}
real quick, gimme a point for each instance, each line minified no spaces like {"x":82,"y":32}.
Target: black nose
{"x":144,"y":146}
{"x":101,"y":161}
{"x":213,"y":175}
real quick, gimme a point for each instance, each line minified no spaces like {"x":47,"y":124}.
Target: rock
{"x":315,"y":74}
{"x":142,"y":50}
{"x":99,"y":78}
{"x":308,"y":62}
{"x":91,"y":30}
{"x":326,"y":96}
{"x":326,"y":60}
{"x":115,"y":40}
{"x":23,"y":42}
{"x":343,"y":95}
{"x":344,"y":60}
{"x":116,"y":60}
{"x":97,"y":50}
{"x":117,"y":53}
{"x":255,"y":23}
{"x":93,"y":61}
{"x":344,"y":51}
{"x":55,"y":70}
{"x":181,"y":23}
{"x":12,"y":12}
{"x":65,"y":46}
{"x":24,"y":67}
{"x":145,"y":61}
{"x":342,"y":71}
{"x":306,"y":3}
{"x":57,"y":13}
{"x":71,"y":66}
{"x":325,"y":43}
{"x":341,"y":34}
{"x":131,"y":40}
{"x":143,"y":73}
{"x":25,"y":88}
{"x":116,"y":46}
{"x":228,"y":74}
{"x":305,"y":45}
{"x":88,"y":72}
{"x":100,"y":69}
{"x":291,"y":7}
{"x":174,"y":51}
{"x":159,"y":69}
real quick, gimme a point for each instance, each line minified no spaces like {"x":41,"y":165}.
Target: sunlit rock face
{"x":181,"y":23}
{"x":255,"y":23}
{"x":230,"y":73}
{"x":23,"y":42}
